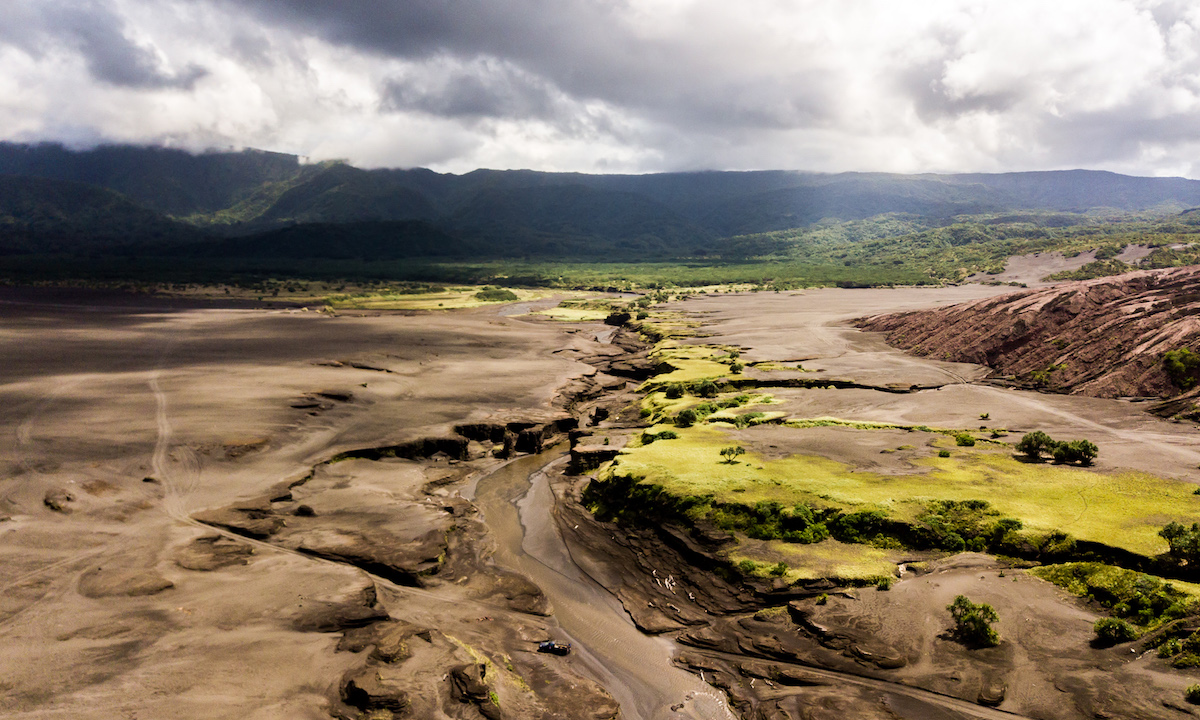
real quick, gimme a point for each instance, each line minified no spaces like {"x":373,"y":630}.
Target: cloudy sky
{"x":620,"y":85}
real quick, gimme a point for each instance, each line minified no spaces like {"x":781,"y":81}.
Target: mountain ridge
{"x":527,"y":213}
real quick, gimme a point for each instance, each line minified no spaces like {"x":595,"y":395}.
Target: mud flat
{"x":219,"y":512}
{"x":231,"y":512}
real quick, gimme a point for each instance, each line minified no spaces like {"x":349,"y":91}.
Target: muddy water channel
{"x":517,"y":504}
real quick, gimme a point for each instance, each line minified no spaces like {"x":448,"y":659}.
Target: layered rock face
{"x":1103,"y":337}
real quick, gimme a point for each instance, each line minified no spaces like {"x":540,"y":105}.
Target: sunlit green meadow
{"x":1124,"y":510}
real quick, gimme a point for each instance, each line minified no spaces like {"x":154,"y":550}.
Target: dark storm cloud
{"x":422,"y":28}
{"x":485,"y":89}
{"x":583,"y":49}
{"x":113,"y":58}
{"x":99,"y":36}
{"x":1093,"y":138}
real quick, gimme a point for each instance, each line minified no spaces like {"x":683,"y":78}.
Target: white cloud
{"x":643,"y":85}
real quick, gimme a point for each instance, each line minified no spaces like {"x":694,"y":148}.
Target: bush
{"x":973,"y":623}
{"x":858,"y":527}
{"x":706,"y":389}
{"x":1111,"y":631}
{"x":964,"y":440}
{"x":885,"y":583}
{"x":674,"y":391}
{"x":1080,"y":451}
{"x":492,"y":293}
{"x":747,"y":419}
{"x":1193,"y":694}
{"x":779,"y":569}
{"x":736,"y":368}
{"x":618,"y":318}
{"x":1034,"y":444}
{"x":648,"y":438}
{"x":747,"y":567}
{"x":943,"y":453}
{"x":686,"y":418}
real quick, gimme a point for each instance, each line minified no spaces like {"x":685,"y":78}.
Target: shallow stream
{"x":516,"y":502}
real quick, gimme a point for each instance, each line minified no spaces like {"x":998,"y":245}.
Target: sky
{"x":620,"y":85}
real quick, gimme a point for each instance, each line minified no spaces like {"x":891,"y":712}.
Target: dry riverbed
{"x":212,"y":511}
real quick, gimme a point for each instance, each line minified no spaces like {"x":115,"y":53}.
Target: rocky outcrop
{"x":468,"y":685}
{"x":58,"y":500}
{"x":361,"y":609}
{"x":388,"y":640}
{"x":367,"y":690}
{"x":1104,"y":337}
{"x":212,"y":552}
{"x":111,"y":582}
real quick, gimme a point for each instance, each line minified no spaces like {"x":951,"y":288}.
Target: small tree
{"x":1035,"y":443}
{"x":686,"y":418}
{"x":973,"y":623}
{"x":1080,"y":451}
{"x":731,"y":453}
{"x":1183,"y":367}
{"x":1184,"y":542}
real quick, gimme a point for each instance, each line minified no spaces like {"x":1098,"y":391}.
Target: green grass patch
{"x":445,"y":299}
{"x":690,"y":363}
{"x":830,"y":558}
{"x":573,"y":314}
{"x":1125,"y":510}
{"x":1145,"y":600}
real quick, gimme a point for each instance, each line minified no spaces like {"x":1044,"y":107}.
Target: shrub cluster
{"x":700,"y":388}
{"x":745,"y":420}
{"x":491,"y":293}
{"x":958,"y":525}
{"x":690,"y":416}
{"x":648,"y":437}
{"x":1073,"y":451}
{"x":1142,"y":599}
{"x":769,"y":520}
{"x":1183,"y":367}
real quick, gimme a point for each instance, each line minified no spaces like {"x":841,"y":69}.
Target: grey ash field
{"x":241,"y":512}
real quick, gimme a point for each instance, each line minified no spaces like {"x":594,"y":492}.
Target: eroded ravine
{"x":636,"y":669}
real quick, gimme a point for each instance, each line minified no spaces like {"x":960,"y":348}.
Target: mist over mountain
{"x":61,"y":200}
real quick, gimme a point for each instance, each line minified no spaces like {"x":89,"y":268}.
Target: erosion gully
{"x":517,"y":503}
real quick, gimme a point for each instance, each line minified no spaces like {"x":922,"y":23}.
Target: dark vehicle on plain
{"x":554,"y":648}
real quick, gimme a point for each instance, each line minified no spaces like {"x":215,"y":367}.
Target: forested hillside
{"x":873,"y":228}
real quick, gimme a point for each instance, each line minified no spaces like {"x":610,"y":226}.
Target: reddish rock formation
{"x":1103,"y":337}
